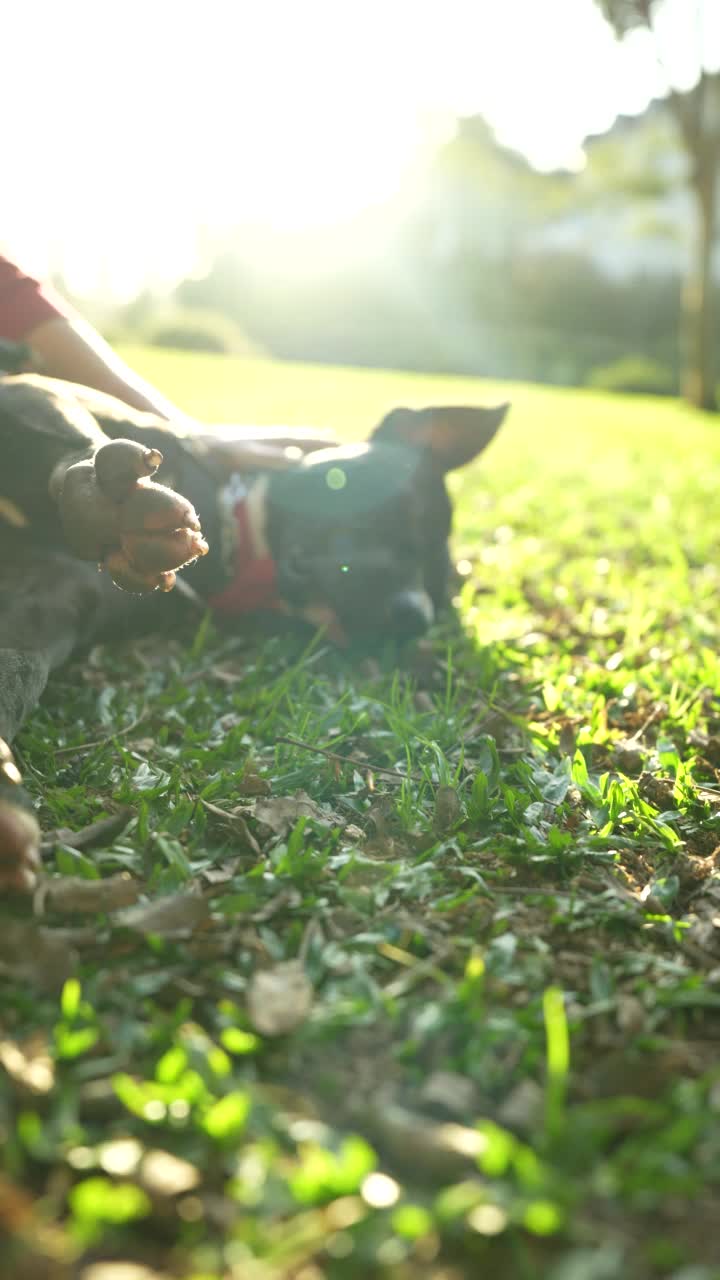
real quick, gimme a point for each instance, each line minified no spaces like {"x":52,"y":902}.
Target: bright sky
{"x":128,"y":126}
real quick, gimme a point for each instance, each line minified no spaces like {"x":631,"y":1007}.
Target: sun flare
{"x":157,"y":129}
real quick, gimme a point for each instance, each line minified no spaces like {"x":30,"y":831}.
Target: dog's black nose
{"x":411,"y":613}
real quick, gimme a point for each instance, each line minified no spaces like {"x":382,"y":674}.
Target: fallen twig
{"x":102,"y":742}
{"x":92,"y":836}
{"x":363,"y":766}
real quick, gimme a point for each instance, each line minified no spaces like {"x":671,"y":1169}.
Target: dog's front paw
{"x":19,"y":832}
{"x":113,"y":512}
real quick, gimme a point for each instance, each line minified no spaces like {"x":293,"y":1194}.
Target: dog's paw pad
{"x":121,"y":463}
{"x":154,"y":552}
{"x":128,"y":577}
{"x":157,"y":509}
{"x":112,"y":512}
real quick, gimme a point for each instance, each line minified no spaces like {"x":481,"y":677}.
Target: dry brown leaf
{"x":448,"y":810}
{"x":657,"y":790}
{"x":353,"y":833}
{"x":73,"y":893}
{"x":35,"y":955}
{"x":28,"y":1063}
{"x":282,"y":812}
{"x":436,"y":1152}
{"x":16,"y":1206}
{"x":121,"y":1271}
{"x":382,"y":815}
{"x":710,"y":798}
{"x":220,"y":874}
{"x":279,"y":902}
{"x":279,"y":999}
{"x":566,"y":739}
{"x":237,"y":822}
{"x":623,"y":1071}
{"x":382,"y":847}
{"x":98,"y":833}
{"x":521,"y":1110}
{"x":450,"y":1092}
{"x":175,"y":913}
{"x":423,"y":701}
{"x":251,"y":784}
{"x":709,"y":744}
{"x":629,"y":756}
{"x":165,"y":1174}
{"x":369,"y":669}
{"x":630,"y":1014}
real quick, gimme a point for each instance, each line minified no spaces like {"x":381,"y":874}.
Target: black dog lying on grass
{"x":352,"y":538}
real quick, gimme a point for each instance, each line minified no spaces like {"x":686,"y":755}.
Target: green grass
{"x":506,"y":903}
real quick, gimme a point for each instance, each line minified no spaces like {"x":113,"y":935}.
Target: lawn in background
{"x":495,"y":869}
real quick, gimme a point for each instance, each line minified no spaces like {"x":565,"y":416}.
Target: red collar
{"x":253,"y":584}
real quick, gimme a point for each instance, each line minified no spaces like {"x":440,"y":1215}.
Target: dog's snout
{"x":411,"y":613}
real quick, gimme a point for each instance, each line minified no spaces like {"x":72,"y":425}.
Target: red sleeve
{"x":25,"y":303}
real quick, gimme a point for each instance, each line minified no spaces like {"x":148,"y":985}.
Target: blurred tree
{"x":484,"y":267}
{"x":479,"y":196}
{"x":697,"y":113}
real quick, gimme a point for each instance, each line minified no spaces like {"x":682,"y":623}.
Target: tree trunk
{"x":699,"y":377}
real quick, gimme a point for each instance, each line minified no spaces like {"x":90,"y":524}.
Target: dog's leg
{"x":65,"y":480}
{"x":49,"y":603}
{"x":36,"y":434}
{"x":23,"y":677}
{"x":39,"y":430}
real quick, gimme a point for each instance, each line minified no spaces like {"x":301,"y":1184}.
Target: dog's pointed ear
{"x":454,"y":434}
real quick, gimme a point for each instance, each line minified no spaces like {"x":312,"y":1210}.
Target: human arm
{"x":65,"y":346}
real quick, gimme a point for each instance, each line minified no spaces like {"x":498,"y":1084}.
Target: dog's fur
{"x":357,"y":536}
